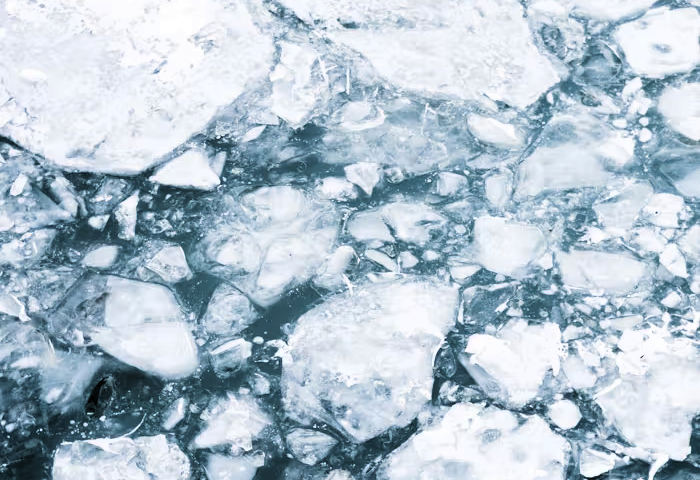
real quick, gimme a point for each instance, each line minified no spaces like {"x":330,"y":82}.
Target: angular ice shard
{"x":369,"y":225}
{"x":65,"y":377}
{"x":362,"y":361}
{"x":26,"y":250}
{"x":507,"y":247}
{"x":681,"y":108}
{"x":621,"y":211}
{"x":365,"y":175}
{"x":125,"y":85}
{"x":126,"y":215}
{"x":662,"y":42}
{"x":559,"y":168}
{"x":665,"y":210}
{"x":485,"y":41}
{"x":654,"y":410}
{"x":229,"y":311}
{"x":190,"y":170}
{"x":481,"y":443}
{"x":494,"y":132}
{"x":268,"y":241}
{"x":101,"y":257}
{"x":512,"y":365}
{"x":167,"y":349}
{"x":594,"y":463}
{"x":309,"y":446}
{"x":412,"y":222}
{"x":611,"y":273}
{"x":143,"y":458}
{"x":236,"y":420}
{"x":672,"y":258}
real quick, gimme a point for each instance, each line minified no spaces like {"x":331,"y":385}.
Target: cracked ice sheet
{"x":467,"y":50}
{"x":115,"y":87}
{"x":362,"y":361}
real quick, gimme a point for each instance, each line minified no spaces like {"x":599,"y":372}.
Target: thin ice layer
{"x":363,"y":360}
{"x":113,"y":87}
{"x":481,"y":443}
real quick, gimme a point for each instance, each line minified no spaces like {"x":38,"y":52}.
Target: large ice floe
{"x":365,"y":240}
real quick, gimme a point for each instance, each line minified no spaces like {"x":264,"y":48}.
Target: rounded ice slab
{"x":471,"y":441}
{"x":101,"y":86}
{"x":363,"y":360}
{"x":662,"y":42}
{"x":462,"y":49}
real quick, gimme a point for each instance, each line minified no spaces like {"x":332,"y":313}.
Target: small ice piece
{"x":236,"y":420}
{"x":449,"y":184}
{"x":665,"y":209}
{"x":126,"y":216}
{"x":175,"y":414}
{"x":506,"y":247}
{"x":460,"y":273}
{"x":681,"y":109}
{"x":98,"y":222}
{"x":565,"y":414}
{"x":229,"y":311}
{"x":333,"y":269}
{"x":191,"y":170}
{"x":367,"y":226}
{"x":512,"y":365}
{"x":336,"y":188}
{"x":309,"y":446}
{"x":164,"y":349}
{"x":593,"y":463}
{"x":339,"y":475}
{"x":362,"y":361}
{"x":18,"y":186}
{"x":412,"y":222}
{"x":365,"y":175}
{"x":102,"y":257}
{"x":562,"y":167}
{"x":662,"y":42}
{"x":231,"y":355}
{"x":673,"y":260}
{"x":28,"y":249}
{"x":498,"y":189}
{"x":122,"y":458}
{"x":295,"y":89}
{"x":689,"y":244}
{"x":672,"y":300}
{"x":382,"y":259}
{"x":494,"y":132}
{"x":621,"y":211}
{"x":66,"y":197}
{"x":221,"y":467}
{"x":9,"y":305}
{"x":654,"y":411}
{"x":488,"y":443}
{"x":253,"y":134}
{"x":613,"y":273}
{"x":170,"y":264}
{"x":407,"y":260}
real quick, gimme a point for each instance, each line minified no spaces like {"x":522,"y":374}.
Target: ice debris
{"x":362,"y":361}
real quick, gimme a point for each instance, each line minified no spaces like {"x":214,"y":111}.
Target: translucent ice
{"x":229,"y":311}
{"x":309,"y":446}
{"x":135,"y":82}
{"x":362,"y":360}
{"x":621,"y":211}
{"x":143,"y":458}
{"x":506,"y":247}
{"x":681,"y":108}
{"x":662,"y":42}
{"x":484,"y":443}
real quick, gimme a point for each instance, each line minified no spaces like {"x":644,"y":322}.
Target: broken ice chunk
{"x":594,"y":463}
{"x":358,"y":116}
{"x":382,"y":259}
{"x":365,"y":175}
{"x":662,"y":42}
{"x":101,"y":257}
{"x":65,"y":377}
{"x":236,"y":420}
{"x":449,"y":184}
{"x":229,"y":311}
{"x":143,"y":458}
{"x":565,"y":414}
{"x":175,"y":414}
{"x":512,"y":365}
{"x":133,"y":87}
{"x":191,"y":170}
{"x":231,"y":355}
{"x":221,"y":467}
{"x":362,"y":361}
{"x":165,"y":349}
{"x":506,"y":247}
{"x":488,"y":443}
{"x":612,"y":273}
{"x":665,"y":209}
{"x":493,"y":132}
{"x":689,"y":243}
{"x":25,"y":250}
{"x":333,"y":269}
{"x":309,"y":446}
{"x":559,"y":168}
{"x":498,"y":189}
{"x":126,"y":216}
{"x":620,"y":212}
{"x":365,"y":226}
{"x":336,"y":188}
{"x":412,"y":222}
{"x":673,"y":260}
{"x":170,"y":264}
{"x":681,"y":109}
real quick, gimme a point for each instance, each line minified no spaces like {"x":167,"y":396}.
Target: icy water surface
{"x":358,"y":240}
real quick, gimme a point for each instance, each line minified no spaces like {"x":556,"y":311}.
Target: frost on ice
{"x":362,"y":362}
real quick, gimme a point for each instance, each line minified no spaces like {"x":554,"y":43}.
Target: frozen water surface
{"x":365,"y":240}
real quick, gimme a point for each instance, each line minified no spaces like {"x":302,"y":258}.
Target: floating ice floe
{"x":362,"y":360}
{"x":608,"y":272}
{"x":489,"y":443}
{"x":125,"y":86}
